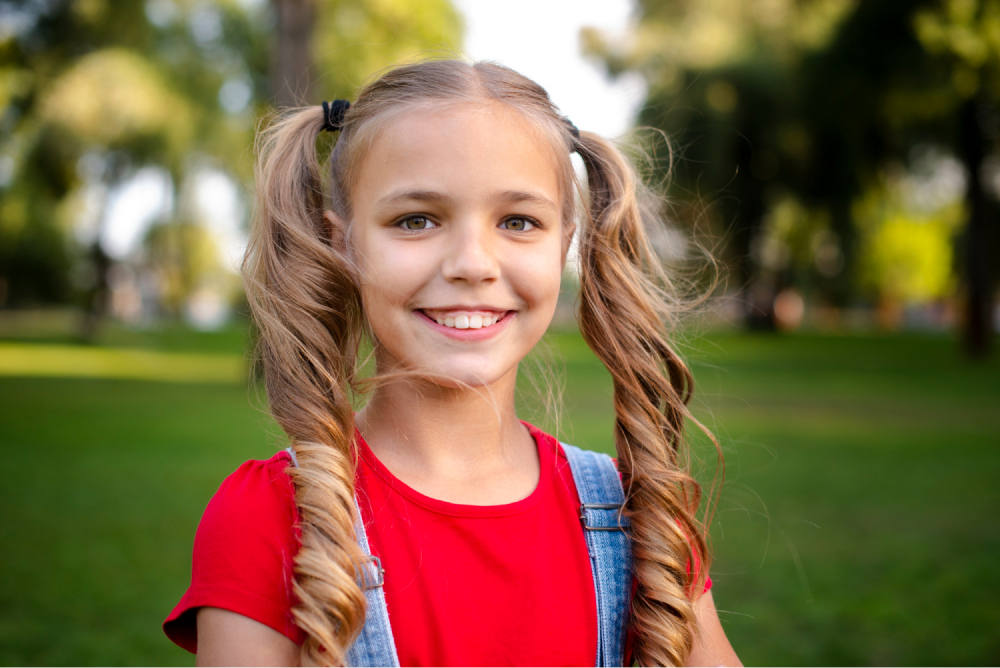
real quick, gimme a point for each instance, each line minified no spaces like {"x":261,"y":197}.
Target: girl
{"x":433,"y":527}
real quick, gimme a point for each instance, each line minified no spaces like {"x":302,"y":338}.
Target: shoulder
{"x":244,"y":552}
{"x":259,"y":478}
{"x":256,"y":486}
{"x":595,"y":473}
{"x":253,"y":515}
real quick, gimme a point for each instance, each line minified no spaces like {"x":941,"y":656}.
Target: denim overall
{"x":601,"y":498}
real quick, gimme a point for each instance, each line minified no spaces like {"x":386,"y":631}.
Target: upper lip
{"x":480,"y":308}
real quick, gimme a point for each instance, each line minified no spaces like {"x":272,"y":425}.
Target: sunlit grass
{"x":80,"y":361}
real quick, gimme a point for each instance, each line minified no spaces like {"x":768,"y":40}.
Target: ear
{"x":336,"y":230}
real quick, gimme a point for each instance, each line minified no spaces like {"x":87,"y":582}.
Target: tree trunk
{"x":978,"y":335}
{"x":97,"y":299}
{"x":757,"y":283}
{"x":291,"y":69}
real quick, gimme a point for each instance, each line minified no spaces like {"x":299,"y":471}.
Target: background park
{"x":831,"y":170}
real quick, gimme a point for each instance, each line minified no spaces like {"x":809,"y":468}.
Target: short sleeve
{"x":244,"y":553}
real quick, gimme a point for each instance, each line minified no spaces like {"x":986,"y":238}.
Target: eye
{"x":518,"y":224}
{"x":416,"y":223}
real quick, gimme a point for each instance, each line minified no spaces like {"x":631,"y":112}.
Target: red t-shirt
{"x":464,"y":585}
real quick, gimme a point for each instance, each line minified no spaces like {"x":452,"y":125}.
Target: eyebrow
{"x":413,"y":195}
{"x":515,"y":196}
{"x":432,"y":196}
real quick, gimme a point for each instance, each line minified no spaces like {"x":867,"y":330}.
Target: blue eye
{"x":518,"y":224}
{"x":416,"y":223}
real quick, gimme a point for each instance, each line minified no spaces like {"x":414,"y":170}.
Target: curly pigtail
{"x":623,"y":308}
{"x":307,"y":310}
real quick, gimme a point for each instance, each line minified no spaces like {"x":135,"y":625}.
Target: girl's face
{"x":458,"y":235}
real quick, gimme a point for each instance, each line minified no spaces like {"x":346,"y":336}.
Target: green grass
{"x":74,"y":361}
{"x":857,"y":525}
{"x":859,"y":520}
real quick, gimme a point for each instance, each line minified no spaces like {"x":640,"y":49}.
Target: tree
{"x":331,"y":47}
{"x":722,"y":86}
{"x":292,"y":71}
{"x":812,"y":99}
{"x":963,"y":38}
{"x":930,"y":68}
{"x":129,"y":85}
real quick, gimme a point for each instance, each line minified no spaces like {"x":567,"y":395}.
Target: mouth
{"x":463,"y":319}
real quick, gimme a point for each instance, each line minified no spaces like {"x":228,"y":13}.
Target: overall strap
{"x":601,"y":501}
{"x":374,"y":646}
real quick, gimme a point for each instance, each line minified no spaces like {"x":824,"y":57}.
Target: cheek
{"x":388,"y":273}
{"x":538,"y":278}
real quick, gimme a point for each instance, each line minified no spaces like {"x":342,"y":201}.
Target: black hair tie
{"x":573,"y":130}
{"x":333,"y":114}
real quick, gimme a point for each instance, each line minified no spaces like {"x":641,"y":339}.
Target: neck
{"x":464,"y":445}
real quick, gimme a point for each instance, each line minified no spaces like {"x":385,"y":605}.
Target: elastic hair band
{"x":573,"y":130}
{"x":333,"y":114}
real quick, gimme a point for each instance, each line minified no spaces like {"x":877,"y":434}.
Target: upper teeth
{"x":468,"y":321}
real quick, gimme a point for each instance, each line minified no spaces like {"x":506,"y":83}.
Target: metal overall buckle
{"x":601,"y":506}
{"x":367,"y":579}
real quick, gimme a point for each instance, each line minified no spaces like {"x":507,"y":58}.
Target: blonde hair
{"x":304,"y":295}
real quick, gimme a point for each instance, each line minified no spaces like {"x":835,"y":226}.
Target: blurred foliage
{"x":906,"y":254}
{"x":355,"y":41}
{"x":93,"y":91}
{"x":783,"y":106}
{"x":182,"y":255}
{"x":797,"y":238}
{"x":909,"y":260}
{"x":967,"y":34}
{"x":135,"y":109}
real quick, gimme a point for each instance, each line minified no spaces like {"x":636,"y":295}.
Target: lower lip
{"x":480,"y":334}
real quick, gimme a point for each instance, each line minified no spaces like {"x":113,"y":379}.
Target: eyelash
{"x":530,"y":223}
{"x":402,"y":223}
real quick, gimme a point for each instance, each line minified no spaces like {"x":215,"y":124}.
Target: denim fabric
{"x":375,"y":645}
{"x":598,"y":483}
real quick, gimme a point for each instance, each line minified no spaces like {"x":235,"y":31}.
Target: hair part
{"x":304,"y":295}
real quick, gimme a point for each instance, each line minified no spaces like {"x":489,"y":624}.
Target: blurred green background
{"x":838,"y":159}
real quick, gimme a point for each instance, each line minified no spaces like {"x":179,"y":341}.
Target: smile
{"x":463,"y":321}
{"x":456,"y":319}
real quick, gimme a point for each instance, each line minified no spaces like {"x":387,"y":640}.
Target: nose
{"x":471,"y":256}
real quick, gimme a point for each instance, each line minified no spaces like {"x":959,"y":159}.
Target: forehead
{"x":463,"y":150}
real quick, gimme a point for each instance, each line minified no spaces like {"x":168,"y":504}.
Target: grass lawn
{"x":857,"y":525}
